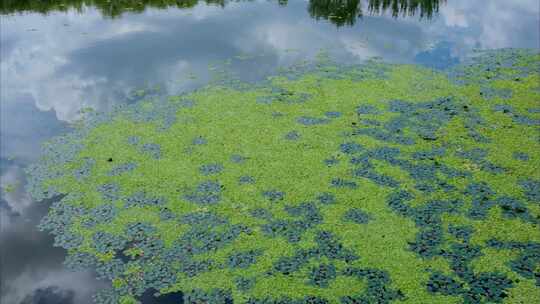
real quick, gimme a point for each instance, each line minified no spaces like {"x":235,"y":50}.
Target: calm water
{"x":58,"y":57}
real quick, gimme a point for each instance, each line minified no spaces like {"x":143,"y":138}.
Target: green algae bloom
{"x":374,"y":183}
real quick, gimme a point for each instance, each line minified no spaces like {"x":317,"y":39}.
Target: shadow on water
{"x":339,"y":12}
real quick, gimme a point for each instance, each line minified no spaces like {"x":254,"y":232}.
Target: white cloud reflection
{"x":39,"y":62}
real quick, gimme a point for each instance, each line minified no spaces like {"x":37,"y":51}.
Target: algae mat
{"x":374,"y":183}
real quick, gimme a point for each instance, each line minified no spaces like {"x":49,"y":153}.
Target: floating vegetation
{"x":209,"y":169}
{"x":246,"y":179}
{"x":239,"y":159}
{"x":293,"y":135}
{"x":374,"y":183}
{"x":122,"y":169}
{"x":311,"y":121}
{"x":356,"y":216}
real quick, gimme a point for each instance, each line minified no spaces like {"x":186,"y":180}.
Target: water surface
{"x":58,"y":57}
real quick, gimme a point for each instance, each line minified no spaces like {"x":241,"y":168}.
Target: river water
{"x":63,"y":56}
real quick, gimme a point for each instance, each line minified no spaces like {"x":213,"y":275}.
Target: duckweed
{"x":373,"y":183}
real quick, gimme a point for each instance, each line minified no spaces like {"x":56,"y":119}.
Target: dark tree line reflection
{"x":109,"y":8}
{"x":339,"y":12}
{"x":346,"y":12}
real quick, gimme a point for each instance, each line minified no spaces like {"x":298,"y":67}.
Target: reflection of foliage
{"x":345,"y":12}
{"x":110,"y":8}
{"x":411,"y":7}
{"x":339,"y":12}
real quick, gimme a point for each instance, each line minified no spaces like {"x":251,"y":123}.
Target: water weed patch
{"x":376,"y":183}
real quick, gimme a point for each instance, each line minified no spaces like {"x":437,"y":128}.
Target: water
{"x":59,"y":57}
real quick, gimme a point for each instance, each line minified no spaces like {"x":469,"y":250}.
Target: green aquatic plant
{"x":9,"y":188}
{"x":373,"y":183}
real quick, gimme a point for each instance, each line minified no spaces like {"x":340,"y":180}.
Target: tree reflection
{"x":339,"y":12}
{"x":109,"y":8}
{"x":346,"y":12}
{"x":425,"y":8}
